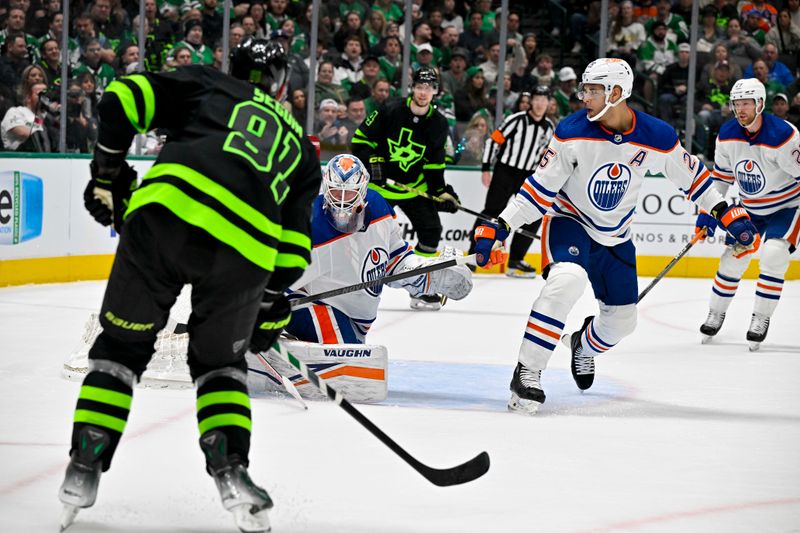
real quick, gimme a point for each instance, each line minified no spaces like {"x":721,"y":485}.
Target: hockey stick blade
{"x":457,"y":475}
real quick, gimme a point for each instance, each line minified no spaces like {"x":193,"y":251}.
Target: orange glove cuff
{"x":485,"y":232}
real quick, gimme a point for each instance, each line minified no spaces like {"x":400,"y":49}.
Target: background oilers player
{"x":761,"y":154}
{"x":587,"y":184}
{"x":356,"y":238}
{"x":405,"y":141}
{"x":216,"y":210}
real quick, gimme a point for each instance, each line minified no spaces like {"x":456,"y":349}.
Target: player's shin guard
{"x":611,"y":325}
{"x":565,"y":285}
{"x":774,"y":263}
{"x":727,"y":280}
{"x":223,"y":404}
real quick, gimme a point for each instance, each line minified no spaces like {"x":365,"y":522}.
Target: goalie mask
{"x":344,"y":192}
{"x":263,"y":63}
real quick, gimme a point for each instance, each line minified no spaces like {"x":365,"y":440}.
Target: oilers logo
{"x":608,"y":185}
{"x":374,"y":268}
{"x":749,"y":177}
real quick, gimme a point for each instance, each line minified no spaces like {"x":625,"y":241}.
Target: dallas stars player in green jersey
{"x":226,"y":208}
{"x":405,"y":141}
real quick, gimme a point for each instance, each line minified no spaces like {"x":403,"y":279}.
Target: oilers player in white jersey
{"x":586,"y":188}
{"x":356,"y":238}
{"x":761,"y":154}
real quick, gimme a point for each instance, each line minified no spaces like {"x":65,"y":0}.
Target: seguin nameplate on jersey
{"x":749,"y":177}
{"x":608,"y":185}
{"x":374,"y":267}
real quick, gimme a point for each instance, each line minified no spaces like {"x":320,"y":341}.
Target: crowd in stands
{"x":359,"y":58}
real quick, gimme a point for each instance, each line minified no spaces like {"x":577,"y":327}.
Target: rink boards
{"x":47,"y":236}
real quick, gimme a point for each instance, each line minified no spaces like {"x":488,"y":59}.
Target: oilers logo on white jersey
{"x":608,"y":185}
{"x":374,"y":267}
{"x":749,"y":176}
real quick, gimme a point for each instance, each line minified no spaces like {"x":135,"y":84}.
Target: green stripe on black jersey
{"x":138,"y":101}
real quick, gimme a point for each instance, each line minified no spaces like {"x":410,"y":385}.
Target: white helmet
{"x":608,"y":72}
{"x":749,"y":89}
{"x":344,"y":192}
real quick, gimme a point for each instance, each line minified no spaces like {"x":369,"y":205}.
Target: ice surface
{"x":673,"y":436}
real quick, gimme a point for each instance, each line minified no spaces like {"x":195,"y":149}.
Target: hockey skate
{"x":711,"y":326}
{"x":582,"y":366}
{"x":247,"y":501}
{"x":526,"y":391}
{"x":426,"y":302}
{"x":757,"y":332}
{"x":520,"y":269}
{"x":79,"y":489}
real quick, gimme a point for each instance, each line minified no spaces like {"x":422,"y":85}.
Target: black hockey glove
{"x":107,"y":194}
{"x":451,"y":203}
{"x":376,"y":174}
{"x":273,"y":316}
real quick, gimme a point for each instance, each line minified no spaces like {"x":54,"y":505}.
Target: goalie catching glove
{"x":273,"y":315}
{"x":109,"y":190}
{"x":454,"y":282}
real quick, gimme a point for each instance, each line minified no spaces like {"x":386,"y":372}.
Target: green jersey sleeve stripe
{"x":149,"y":98}
{"x":128,"y":102}
{"x":219,"y":193}
{"x":433,"y":166}
{"x":295,"y":237}
{"x":290,"y":261}
{"x":202,"y":216}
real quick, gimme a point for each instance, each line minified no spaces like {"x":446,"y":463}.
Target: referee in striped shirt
{"x":518,"y":145}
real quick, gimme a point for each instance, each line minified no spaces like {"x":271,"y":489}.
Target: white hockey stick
{"x":287,"y":383}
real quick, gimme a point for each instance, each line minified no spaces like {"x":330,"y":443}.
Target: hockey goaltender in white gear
{"x":355,"y":238}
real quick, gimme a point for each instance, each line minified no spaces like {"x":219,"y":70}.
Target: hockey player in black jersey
{"x":405,"y":141}
{"x":226,"y":208}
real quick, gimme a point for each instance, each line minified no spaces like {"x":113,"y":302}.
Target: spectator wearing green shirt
{"x":375,"y":28}
{"x":193,"y":40}
{"x":381,"y":90}
{"x":92,"y":62}
{"x":752,"y":25}
{"x":567,"y":81}
{"x":677,"y":30}
{"x":389,"y":9}
{"x":391,"y":60}
{"x":348,"y":6}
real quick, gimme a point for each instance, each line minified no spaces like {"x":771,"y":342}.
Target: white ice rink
{"x":674,"y":435}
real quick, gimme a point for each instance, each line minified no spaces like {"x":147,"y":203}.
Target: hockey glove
{"x":107,"y":194}
{"x":737,"y":223}
{"x":489,"y":239}
{"x":272,"y":317}
{"x":705,"y":222}
{"x":376,"y":174}
{"x":450,"y":203}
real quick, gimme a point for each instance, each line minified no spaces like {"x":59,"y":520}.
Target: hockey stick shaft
{"x":463,"y":473}
{"x":698,"y":236}
{"x":469,"y":259}
{"x":403,"y":186}
{"x":287,"y":383}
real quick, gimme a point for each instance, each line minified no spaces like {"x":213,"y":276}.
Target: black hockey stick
{"x":403,"y":186}
{"x":697,"y":236}
{"x":441,"y":477}
{"x":461,"y":260}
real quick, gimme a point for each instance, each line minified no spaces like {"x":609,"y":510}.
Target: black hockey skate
{"x":520,"y":269}
{"x":582,"y":366}
{"x":426,"y":302}
{"x":711,"y":326}
{"x":526,"y":390}
{"x":79,"y":489}
{"x":247,"y":501}
{"x":757,"y":332}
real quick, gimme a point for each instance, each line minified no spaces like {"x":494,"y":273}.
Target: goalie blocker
{"x":358,"y":371}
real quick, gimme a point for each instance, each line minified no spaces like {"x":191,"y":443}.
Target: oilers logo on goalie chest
{"x":608,"y":185}
{"x":374,"y":267}
{"x":749,"y":177}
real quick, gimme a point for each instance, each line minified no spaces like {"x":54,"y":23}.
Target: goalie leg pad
{"x":611,"y":325}
{"x":566,"y":283}
{"x":326,"y":324}
{"x":726,"y":282}
{"x":774,"y":264}
{"x":359,"y":371}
